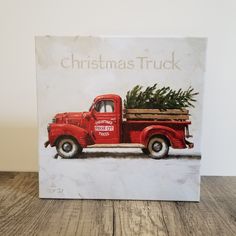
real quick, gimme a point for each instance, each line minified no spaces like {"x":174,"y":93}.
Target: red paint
{"x":109,"y":127}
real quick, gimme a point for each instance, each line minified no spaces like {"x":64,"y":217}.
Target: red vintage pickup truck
{"x":105,"y":125}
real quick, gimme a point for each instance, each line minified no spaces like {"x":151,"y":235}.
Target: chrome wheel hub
{"x":157,"y":146}
{"x":67,"y":147}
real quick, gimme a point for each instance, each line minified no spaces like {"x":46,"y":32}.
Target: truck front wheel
{"x":68,"y":147}
{"x":158,"y":147}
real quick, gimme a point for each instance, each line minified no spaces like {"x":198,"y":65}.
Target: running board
{"x":117,"y":145}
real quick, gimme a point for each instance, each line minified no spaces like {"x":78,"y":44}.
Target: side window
{"x":109,"y":106}
{"x":105,"y":106}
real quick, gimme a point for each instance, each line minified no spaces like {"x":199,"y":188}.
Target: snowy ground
{"x":126,"y":174}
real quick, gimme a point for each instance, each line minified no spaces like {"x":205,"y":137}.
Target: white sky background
{"x":61,"y":90}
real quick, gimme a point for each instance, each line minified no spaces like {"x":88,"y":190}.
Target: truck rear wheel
{"x":68,"y":147}
{"x":158,"y":147}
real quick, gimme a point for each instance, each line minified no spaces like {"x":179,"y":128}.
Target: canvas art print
{"x":120,"y":117}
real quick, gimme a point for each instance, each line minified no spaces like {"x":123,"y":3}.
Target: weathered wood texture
{"x":157,"y":111}
{"x":23,"y":213}
{"x":156,"y":114}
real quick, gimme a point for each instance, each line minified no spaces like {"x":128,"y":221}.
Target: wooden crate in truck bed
{"x":156,"y":114}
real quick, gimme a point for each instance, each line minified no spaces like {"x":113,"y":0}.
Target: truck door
{"x":105,"y":122}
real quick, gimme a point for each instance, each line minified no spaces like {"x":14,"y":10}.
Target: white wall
{"x":21,"y":20}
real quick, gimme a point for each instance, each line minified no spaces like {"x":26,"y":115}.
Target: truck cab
{"x":105,"y":119}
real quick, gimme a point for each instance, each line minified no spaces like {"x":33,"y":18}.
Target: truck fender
{"x":57,"y":131}
{"x":170,"y":134}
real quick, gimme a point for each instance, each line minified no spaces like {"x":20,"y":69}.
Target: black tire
{"x":68,"y":147}
{"x":158,"y":147}
{"x":145,"y":151}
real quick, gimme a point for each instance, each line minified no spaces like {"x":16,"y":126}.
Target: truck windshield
{"x":91,"y":106}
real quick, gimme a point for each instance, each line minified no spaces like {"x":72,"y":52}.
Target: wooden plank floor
{"x":23,"y":213}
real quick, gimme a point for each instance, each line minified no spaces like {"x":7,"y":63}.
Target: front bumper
{"x":189,"y":144}
{"x":46,"y":143}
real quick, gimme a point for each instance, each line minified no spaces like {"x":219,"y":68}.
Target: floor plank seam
{"x":113,"y":219}
{"x":164,"y":221}
{"x":178,"y":204}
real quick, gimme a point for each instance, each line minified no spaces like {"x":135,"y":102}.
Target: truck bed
{"x":132,"y":128}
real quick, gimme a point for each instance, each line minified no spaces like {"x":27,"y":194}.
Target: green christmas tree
{"x":159,"y":98}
